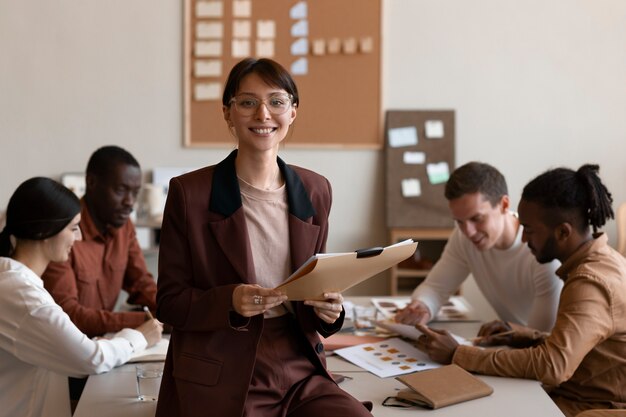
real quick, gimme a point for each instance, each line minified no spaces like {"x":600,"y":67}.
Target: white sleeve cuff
{"x":134,"y":337}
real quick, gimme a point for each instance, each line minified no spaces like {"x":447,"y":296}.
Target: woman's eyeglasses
{"x":276,"y":104}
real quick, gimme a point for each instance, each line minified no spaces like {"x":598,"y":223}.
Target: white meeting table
{"x":113,"y":394}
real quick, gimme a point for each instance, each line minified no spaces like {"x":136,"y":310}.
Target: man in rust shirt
{"x":108,"y":259}
{"x":582,"y":362}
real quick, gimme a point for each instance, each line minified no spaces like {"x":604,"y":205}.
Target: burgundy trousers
{"x":286,"y":383}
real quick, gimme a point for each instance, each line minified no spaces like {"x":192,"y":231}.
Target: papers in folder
{"x":336,"y":272}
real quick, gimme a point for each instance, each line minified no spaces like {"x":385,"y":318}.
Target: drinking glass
{"x":148,"y":380}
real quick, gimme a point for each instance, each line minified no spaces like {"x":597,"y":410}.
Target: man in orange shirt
{"x":109,"y":258}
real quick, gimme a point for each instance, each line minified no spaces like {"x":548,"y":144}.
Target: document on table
{"x":456,"y":309}
{"x":152,"y":354}
{"x":411,"y":332}
{"x":336,"y":272}
{"x":388,"y":358}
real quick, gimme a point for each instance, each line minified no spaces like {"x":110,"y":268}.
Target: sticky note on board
{"x":264,"y":48}
{"x":300,"y":47}
{"x":207,"y":68}
{"x":411,"y":187}
{"x":298,"y":10}
{"x":434,"y":129}
{"x":240,"y":48}
{"x":266,"y":29}
{"x":366,"y":45}
{"x":242,"y":8}
{"x":349,"y":46}
{"x":402,"y":136}
{"x":300,"y":67}
{"x":207,"y":91}
{"x":212,"y":8}
{"x":413,"y":157}
{"x":300,"y":29}
{"x":438,"y":173}
{"x":208,"y":48}
{"x":242,"y":29}
{"x":333,"y":46}
{"x":210,"y":30}
{"x":318,"y":47}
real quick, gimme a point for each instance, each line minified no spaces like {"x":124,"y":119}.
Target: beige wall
{"x":535,"y":84}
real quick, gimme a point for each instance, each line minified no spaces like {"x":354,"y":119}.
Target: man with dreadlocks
{"x":582,"y":362}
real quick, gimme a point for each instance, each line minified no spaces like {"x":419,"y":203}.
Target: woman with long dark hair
{"x":39,"y":345}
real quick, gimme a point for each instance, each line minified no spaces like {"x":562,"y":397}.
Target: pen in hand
{"x":480,"y":338}
{"x":148,"y":313}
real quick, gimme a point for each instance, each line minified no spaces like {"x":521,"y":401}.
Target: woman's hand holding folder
{"x":249,"y":300}
{"x":330,"y":308}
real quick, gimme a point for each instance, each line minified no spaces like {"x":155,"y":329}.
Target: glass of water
{"x":148,"y":380}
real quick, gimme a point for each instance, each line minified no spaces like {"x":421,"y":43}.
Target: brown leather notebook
{"x":440,"y":387}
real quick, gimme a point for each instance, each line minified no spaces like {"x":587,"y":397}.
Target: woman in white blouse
{"x":39,"y":345}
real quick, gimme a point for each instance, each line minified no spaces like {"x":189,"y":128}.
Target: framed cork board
{"x":331,"y":48}
{"x":419,"y":156}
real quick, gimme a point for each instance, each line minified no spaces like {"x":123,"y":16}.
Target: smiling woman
{"x":39,"y":345}
{"x":231,"y":233}
{"x":52,"y":224}
{"x":260,"y":104}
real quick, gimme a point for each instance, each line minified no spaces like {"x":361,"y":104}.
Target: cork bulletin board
{"x":419,"y":156}
{"x":331,"y":48}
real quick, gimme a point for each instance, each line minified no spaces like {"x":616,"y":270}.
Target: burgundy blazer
{"x":204,"y":254}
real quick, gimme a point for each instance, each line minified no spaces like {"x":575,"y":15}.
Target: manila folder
{"x":330,"y":272}
{"x":439,"y":387}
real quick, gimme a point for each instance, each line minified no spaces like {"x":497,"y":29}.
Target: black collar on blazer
{"x":226,"y":196}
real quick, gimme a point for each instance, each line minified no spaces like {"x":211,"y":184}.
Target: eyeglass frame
{"x":264,"y":102}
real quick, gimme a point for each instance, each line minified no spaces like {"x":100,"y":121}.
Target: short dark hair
{"x":270,"y":71}
{"x":476,"y":177}
{"x":38,"y":209}
{"x":576,"y":197}
{"x":105,"y":157}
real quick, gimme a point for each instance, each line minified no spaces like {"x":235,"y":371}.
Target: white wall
{"x":534,"y":83}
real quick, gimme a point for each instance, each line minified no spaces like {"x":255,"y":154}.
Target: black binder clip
{"x":366,"y":253}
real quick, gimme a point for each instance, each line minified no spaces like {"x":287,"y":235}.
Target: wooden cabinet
{"x":409,"y":273}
